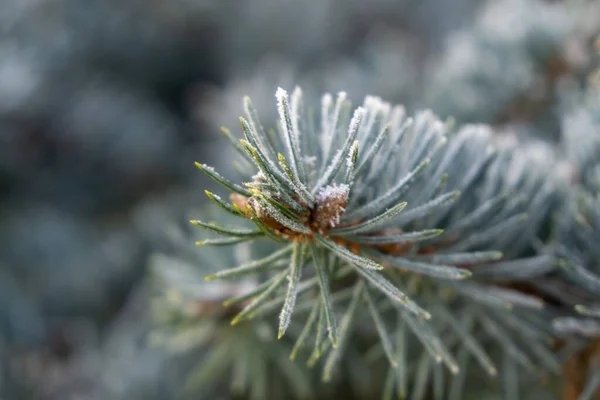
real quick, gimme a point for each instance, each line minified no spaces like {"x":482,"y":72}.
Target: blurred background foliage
{"x":105,"y":104}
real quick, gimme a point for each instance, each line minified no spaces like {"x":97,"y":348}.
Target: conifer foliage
{"x":406,"y":220}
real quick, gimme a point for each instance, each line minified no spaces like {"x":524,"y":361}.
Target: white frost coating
{"x":566,"y":171}
{"x":376,"y":108}
{"x":533,"y":156}
{"x":310,"y":161}
{"x":479,"y":135}
{"x":282,"y":107}
{"x":375,"y":102}
{"x":280,"y":94}
{"x":351,"y":164}
{"x":437,"y":126}
{"x":349,"y":161}
{"x":385,"y":108}
{"x":375,"y":105}
{"x":328,"y":134}
{"x":341,"y":98}
{"x":326,"y":102}
{"x":337,"y":160}
{"x":329,"y":170}
{"x":330,"y":198}
{"x":282,"y":99}
{"x":397,"y":117}
{"x":259,"y":176}
{"x":506,"y":139}
{"x":295,"y":109}
{"x":359,"y":113}
{"x":334,"y":191}
{"x":484,"y":133}
{"x":371,"y":101}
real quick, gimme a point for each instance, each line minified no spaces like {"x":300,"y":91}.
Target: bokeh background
{"x":106,"y":104}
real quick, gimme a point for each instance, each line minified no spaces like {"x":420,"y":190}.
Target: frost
{"x":258,"y":177}
{"x":350,"y":156}
{"x":310,"y":161}
{"x":296,"y":99}
{"x":282,"y":99}
{"x":334,"y":191}
{"x":280,"y":94}
{"x":359,"y":113}
{"x":331,"y":203}
{"x":326,"y":103}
